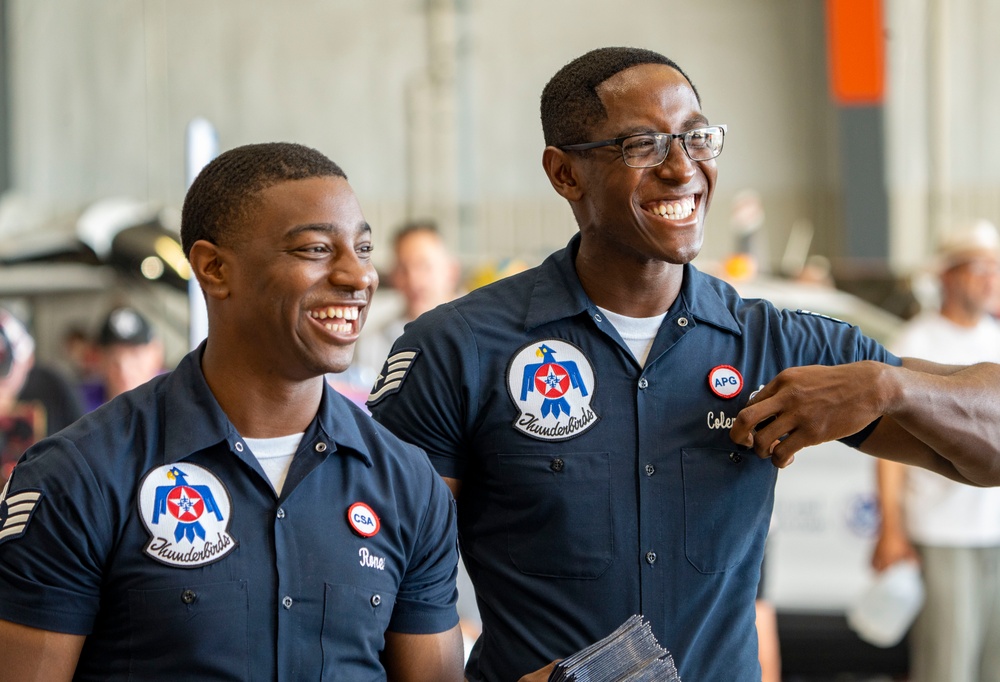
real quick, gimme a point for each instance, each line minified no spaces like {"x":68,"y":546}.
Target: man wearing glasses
{"x":605,"y":420}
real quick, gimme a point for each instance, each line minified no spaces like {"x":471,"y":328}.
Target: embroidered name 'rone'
{"x":369,"y":560}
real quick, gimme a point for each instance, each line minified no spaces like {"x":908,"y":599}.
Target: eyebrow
{"x":697,"y":121}
{"x":325,"y":228}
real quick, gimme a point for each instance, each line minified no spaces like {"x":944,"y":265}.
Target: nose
{"x":678,"y":166}
{"x":351,"y":271}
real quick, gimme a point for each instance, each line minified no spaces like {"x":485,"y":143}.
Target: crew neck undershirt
{"x":637,"y":332}
{"x":275,"y":456}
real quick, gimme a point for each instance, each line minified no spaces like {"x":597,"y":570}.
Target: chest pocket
{"x":727,"y":496}
{"x":173,"y":625}
{"x":557,"y":511}
{"x":355,"y":619}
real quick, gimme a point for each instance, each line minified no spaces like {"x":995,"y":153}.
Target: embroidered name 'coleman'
{"x":164,"y":550}
{"x":529,"y":423}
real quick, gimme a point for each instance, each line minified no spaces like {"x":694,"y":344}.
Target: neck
{"x":259,"y":403}
{"x":629,"y":287}
{"x":961,"y":315}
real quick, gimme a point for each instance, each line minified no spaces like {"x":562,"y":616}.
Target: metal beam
{"x":5,"y":179}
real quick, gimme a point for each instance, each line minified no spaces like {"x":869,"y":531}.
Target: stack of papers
{"x":629,"y":654}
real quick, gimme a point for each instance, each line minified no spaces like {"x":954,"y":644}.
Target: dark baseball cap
{"x":125,"y":325}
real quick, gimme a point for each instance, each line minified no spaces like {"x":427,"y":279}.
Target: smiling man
{"x":570,"y":407}
{"x":236,"y":519}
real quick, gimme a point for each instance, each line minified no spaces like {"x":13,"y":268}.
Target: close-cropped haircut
{"x":225,"y":191}
{"x":570,"y":103}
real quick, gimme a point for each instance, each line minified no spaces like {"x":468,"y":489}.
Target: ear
{"x":563,"y":173}
{"x":209,"y":265}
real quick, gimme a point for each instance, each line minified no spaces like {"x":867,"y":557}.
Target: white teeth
{"x":346,"y":313}
{"x":674,"y":210}
{"x":342,"y":328}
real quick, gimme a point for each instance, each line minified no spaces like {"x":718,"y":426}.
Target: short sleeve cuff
{"x":46,"y":608}
{"x":422,"y":618}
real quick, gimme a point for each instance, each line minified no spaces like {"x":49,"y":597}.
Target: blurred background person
{"x":35,"y":400}
{"x":128,"y":355}
{"x":424,"y":274}
{"x":952,"y":530}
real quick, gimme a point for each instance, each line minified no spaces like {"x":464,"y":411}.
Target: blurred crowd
{"x":38,"y":399}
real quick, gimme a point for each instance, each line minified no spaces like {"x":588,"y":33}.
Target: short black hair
{"x":225,"y":190}
{"x":570,"y":103}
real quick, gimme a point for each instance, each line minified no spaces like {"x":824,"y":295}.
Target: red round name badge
{"x":725,"y":381}
{"x":363,"y":520}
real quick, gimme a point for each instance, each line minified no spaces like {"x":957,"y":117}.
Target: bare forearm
{"x":954,"y":412}
{"x":32,"y":654}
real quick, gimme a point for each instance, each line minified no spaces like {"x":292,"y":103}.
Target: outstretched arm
{"x":30,"y":654}
{"x":940,"y":417}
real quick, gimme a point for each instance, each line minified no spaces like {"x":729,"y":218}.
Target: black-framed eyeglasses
{"x":645,"y":150}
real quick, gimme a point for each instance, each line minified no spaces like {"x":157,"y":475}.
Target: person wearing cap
{"x":129,"y":355}
{"x":952,"y":530}
{"x":236,"y":518}
{"x":35,"y":400}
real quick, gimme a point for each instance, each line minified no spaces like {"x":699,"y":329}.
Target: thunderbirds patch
{"x":187,"y":511}
{"x":552,"y":384}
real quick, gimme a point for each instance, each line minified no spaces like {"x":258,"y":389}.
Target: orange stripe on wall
{"x":855,"y":51}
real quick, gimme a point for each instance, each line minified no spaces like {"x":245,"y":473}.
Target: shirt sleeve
{"x":426,"y":389}
{"x":54,"y":537}
{"x":427,"y":597}
{"x":810,"y":339}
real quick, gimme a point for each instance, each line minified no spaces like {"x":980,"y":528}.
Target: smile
{"x":339,"y":318}
{"x":672,"y":210}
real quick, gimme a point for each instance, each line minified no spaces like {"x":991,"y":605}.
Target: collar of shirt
{"x":557,"y":294}
{"x":188,"y":401}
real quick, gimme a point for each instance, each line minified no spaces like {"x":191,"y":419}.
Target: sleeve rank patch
{"x":16,"y":511}
{"x":390,"y":379}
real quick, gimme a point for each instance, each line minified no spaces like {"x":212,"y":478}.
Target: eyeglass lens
{"x":650,"y":149}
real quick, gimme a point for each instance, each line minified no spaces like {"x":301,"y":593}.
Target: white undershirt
{"x":637,"y":332}
{"x":275,"y":456}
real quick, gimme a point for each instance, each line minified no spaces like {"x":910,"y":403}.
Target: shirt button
{"x":557,"y":464}
{"x":320,"y":447}
{"x":597,"y":317}
{"x":376,"y":599}
{"x":239,"y":447}
{"x":287,"y":602}
{"x":650,"y":470}
{"x":188,"y":596}
{"x":281,"y":513}
{"x":643,"y":383}
{"x":735,"y":457}
{"x":650,"y":558}
{"x":682,"y":321}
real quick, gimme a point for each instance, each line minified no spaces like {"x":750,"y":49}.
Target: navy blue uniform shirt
{"x":151,"y":528}
{"x":593,"y":488}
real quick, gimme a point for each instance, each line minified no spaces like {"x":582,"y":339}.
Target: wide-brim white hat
{"x":972,"y":240}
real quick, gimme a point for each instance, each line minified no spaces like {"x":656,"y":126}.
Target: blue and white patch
{"x":363,"y":520}
{"x":390,"y":380}
{"x":552,"y":384}
{"x":16,"y":511}
{"x":725,"y":381}
{"x":187,"y":511}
